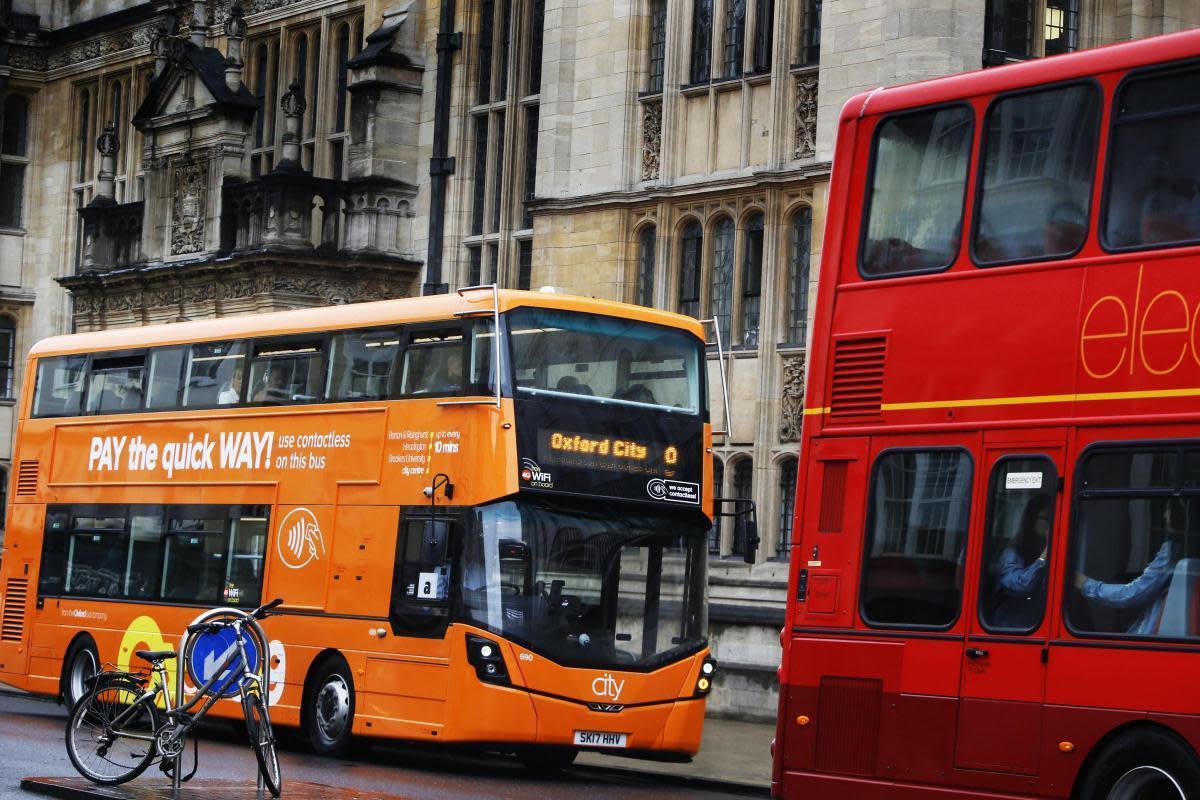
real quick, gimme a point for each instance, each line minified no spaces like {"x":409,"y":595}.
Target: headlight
{"x":485,"y":656}
{"x":707,"y":671}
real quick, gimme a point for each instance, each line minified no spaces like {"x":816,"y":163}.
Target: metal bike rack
{"x":264,"y":676}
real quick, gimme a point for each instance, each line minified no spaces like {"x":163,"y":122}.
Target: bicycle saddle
{"x":154,"y":656}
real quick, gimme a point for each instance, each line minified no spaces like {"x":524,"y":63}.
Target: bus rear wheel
{"x":79,"y":665}
{"x":1146,"y":765}
{"x":328,"y":712}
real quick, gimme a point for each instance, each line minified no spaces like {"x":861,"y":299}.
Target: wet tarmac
{"x":31,"y":744}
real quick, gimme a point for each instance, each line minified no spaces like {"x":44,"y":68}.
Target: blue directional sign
{"x":208,"y":653}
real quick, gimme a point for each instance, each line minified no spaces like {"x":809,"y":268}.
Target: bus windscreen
{"x":590,"y":589}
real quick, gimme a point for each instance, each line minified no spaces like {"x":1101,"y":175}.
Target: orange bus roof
{"x":346,"y":317}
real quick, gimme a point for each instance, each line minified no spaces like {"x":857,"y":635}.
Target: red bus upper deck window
{"x":918,"y":183}
{"x":1153,"y":194}
{"x":1039,"y":156}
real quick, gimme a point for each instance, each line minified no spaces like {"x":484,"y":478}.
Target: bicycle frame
{"x":182,"y":715}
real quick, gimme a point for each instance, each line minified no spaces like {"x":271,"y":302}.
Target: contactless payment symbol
{"x":657,"y":489}
{"x":299,"y":539}
{"x":209,"y":650}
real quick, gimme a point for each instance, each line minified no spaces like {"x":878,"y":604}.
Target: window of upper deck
{"x":115,"y":384}
{"x":60,"y":382}
{"x":288,"y":370}
{"x":562,"y":354}
{"x":1153,"y":197}
{"x":363,"y":364}
{"x":914,"y":210}
{"x":1039,"y":154}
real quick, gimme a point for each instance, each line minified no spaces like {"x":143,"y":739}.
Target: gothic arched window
{"x":799,"y":253}
{"x":735,"y":37}
{"x":645,"y":265}
{"x":743,"y":489}
{"x":692,"y":246}
{"x":721,"y":300}
{"x":787,"y":505}
{"x":714,"y":533}
{"x":8,"y":338}
{"x":752,"y":267}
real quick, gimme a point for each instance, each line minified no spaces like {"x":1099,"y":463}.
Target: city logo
{"x":607,"y":686}
{"x":300,"y":540}
{"x":534,"y":475}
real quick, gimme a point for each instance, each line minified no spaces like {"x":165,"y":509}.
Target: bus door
{"x":1004,"y":658}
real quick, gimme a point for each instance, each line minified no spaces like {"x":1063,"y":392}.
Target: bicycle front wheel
{"x":110,"y":736}
{"x":262,"y":738}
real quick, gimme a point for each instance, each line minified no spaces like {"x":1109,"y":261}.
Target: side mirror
{"x":435,"y":541}
{"x":750,"y":540}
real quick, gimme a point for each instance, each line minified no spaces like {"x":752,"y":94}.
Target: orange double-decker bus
{"x":486,"y":513}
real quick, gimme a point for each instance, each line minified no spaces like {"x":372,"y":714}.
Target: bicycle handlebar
{"x":261,"y":611}
{"x":212,"y":626}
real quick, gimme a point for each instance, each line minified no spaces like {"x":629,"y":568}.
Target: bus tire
{"x":1144,"y":764}
{"x":327,"y":716}
{"x":80,"y":663}
{"x":547,"y":760}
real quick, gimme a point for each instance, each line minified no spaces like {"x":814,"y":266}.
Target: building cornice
{"x":639,"y":197}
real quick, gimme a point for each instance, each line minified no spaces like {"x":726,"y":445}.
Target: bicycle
{"x":114,"y":732}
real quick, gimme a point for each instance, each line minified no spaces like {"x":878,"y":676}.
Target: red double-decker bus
{"x":995,"y":588}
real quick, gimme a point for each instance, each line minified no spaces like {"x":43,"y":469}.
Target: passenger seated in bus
{"x":1022,"y":569}
{"x":1171,"y":212}
{"x":228,"y":395}
{"x":1065,"y":229}
{"x":637,"y":393}
{"x":1149,"y":589}
{"x":275,"y":388}
{"x":571,"y":385}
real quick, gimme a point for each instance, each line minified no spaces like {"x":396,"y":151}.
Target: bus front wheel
{"x":79,"y":665}
{"x":1144,"y":765}
{"x":328,"y":712}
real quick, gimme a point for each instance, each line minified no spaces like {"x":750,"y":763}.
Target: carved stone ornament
{"x":235,"y":24}
{"x":651,"y":140}
{"x":293,"y":102}
{"x":188,"y":207}
{"x":107,"y":143}
{"x":806,"y":116}
{"x":791,"y":415}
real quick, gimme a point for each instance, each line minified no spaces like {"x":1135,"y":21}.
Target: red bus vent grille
{"x":13,"y":624}
{"x":848,"y":725}
{"x":27,"y":477}
{"x":833,"y":497}
{"x":857,"y":377}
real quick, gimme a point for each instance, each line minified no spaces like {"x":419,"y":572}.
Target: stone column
{"x":235,"y":30}
{"x":293,"y":105}
{"x":108,"y":145}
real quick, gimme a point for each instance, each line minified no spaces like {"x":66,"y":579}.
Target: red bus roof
{"x":1036,"y":72}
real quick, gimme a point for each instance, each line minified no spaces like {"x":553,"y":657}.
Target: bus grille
{"x":833,"y":497}
{"x":857,"y":377}
{"x":13,"y":624}
{"x":27,"y":477}
{"x":848,"y":725}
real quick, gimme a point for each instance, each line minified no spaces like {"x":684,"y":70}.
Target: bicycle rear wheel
{"x":262,"y":738}
{"x":110,"y":736}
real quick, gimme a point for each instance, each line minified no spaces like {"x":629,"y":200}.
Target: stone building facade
{"x":177,"y":159}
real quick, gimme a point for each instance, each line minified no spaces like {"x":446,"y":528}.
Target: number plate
{"x":601,"y":739}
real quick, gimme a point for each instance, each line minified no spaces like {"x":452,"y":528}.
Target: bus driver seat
{"x":1181,"y":609}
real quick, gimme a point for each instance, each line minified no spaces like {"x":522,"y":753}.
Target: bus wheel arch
{"x":1136,"y":757}
{"x":327,"y":710}
{"x":82,"y":660}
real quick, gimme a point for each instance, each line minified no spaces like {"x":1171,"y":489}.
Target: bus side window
{"x":421,"y":577}
{"x":54,"y":551}
{"x":288,"y":371}
{"x":215,"y":375}
{"x":433,"y":363}
{"x":59,"y":391}
{"x":164,"y":382}
{"x":115,"y":384}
